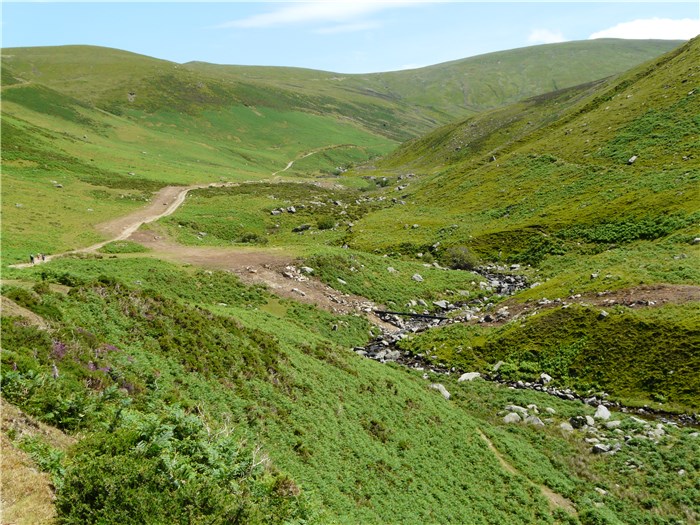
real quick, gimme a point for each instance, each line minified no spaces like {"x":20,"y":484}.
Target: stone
{"x":417,"y":277}
{"x":602,"y":315}
{"x":341,"y":281}
{"x":391,"y":269}
{"x":550,"y":410}
{"x":442,"y":304}
{"x":566,"y":426}
{"x":590,"y":421}
{"x":469,"y":376}
{"x":498,"y":365}
{"x":276,"y":212}
{"x":441,"y":388}
{"x":578,"y":421}
{"x":292,"y":209}
{"x":632,"y":159}
{"x":511,"y":417}
{"x":545,"y":378}
{"x":307,"y":270}
{"x":612,"y":424}
{"x":602,"y":412}
{"x":516,"y":408}
{"x":534,"y":420}
{"x":600,"y":448}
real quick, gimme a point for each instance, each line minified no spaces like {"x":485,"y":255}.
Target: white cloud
{"x":545,"y":36}
{"x":348,"y":28}
{"x":653,"y":28}
{"x":321,"y":11}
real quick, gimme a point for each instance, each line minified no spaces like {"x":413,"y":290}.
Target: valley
{"x":207,"y":338}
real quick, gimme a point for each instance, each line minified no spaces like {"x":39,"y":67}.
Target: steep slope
{"x":540,"y":165}
{"x":591,"y":193}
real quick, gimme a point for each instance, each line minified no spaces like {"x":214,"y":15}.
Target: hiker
{"x":43,"y":257}
{"x":31,"y":258}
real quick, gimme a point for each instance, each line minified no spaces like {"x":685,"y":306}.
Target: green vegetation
{"x":191,"y":397}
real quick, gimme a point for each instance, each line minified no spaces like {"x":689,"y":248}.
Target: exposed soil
{"x":12,"y":309}
{"x":642,"y":296}
{"x":272,"y":267}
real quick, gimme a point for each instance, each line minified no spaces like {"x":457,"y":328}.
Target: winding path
{"x":273,"y":268}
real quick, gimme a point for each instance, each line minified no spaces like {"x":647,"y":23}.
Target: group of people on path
{"x":36,"y":258}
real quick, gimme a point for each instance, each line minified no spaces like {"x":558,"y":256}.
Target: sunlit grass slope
{"x":68,"y":166}
{"x":396,"y":104}
{"x":551,"y":179}
{"x":192,"y":400}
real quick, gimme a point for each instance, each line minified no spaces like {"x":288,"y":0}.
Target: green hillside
{"x":157,"y":380}
{"x":396,"y":104}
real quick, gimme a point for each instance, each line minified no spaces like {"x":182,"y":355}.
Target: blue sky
{"x":347,"y":37}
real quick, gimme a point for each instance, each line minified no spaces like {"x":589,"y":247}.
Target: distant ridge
{"x":399,"y":104}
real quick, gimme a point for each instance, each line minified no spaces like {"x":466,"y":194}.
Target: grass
{"x":228,"y":404}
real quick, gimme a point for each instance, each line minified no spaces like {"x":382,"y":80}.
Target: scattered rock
{"x":469,"y":376}
{"x":590,"y":421}
{"x":442,"y":304}
{"x":600,"y":448}
{"x":441,"y":388}
{"x":516,"y":408}
{"x":578,"y":421}
{"x":417,"y":277}
{"x":632,"y":159}
{"x":612,"y":424}
{"x":341,"y":281}
{"x":545,"y":378}
{"x":511,"y":417}
{"x":391,"y":269}
{"x":534,"y":420}
{"x":602,"y":412}
{"x":603,"y":314}
{"x":566,"y":426}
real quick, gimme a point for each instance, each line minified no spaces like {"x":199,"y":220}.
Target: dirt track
{"x":271,"y":267}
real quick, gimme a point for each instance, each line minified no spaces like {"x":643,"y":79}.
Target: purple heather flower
{"x":58,"y":349}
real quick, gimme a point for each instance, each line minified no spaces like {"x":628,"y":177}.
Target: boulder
{"x":417,"y":277}
{"x":534,"y":420}
{"x":516,"y":408}
{"x":600,"y":448}
{"x":578,"y":421}
{"x":602,"y":412}
{"x":545,"y":378}
{"x":612,"y":424}
{"x":566,"y":426}
{"x":469,"y":376}
{"x":590,"y":421}
{"x":511,"y":417}
{"x":442,"y":304}
{"x":441,"y":388}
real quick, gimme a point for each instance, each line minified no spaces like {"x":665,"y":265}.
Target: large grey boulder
{"x":602,"y":412}
{"x":469,"y":376}
{"x":512,"y":417}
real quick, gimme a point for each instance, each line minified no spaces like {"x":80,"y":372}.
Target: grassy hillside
{"x":396,"y":104}
{"x":290,"y":427}
{"x":148,"y":391}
